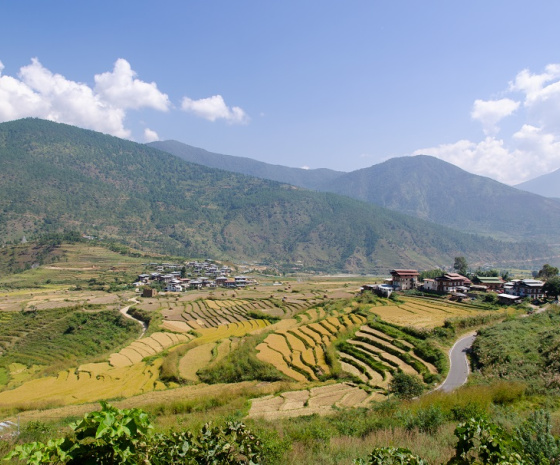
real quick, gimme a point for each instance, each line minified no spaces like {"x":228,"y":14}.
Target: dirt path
{"x":124,"y":311}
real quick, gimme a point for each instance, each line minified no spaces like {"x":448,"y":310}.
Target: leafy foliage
{"x":115,"y":436}
{"x":406,"y":386}
{"x":391,"y":456}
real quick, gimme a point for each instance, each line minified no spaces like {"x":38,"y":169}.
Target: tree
{"x":406,"y":386}
{"x":548,"y":271}
{"x":461,"y":265}
{"x":552,"y":286}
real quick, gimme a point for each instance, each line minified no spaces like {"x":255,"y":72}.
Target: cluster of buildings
{"x":192,"y":275}
{"x":459,"y":286}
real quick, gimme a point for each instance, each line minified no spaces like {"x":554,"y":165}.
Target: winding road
{"x":458,"y":363}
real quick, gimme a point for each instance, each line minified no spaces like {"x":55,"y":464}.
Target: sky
{"x":309,"y":84}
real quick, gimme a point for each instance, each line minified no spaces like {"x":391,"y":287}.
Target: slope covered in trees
{"x":55,"y":177}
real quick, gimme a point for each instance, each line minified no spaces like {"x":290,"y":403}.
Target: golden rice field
{"x":207,"y":313}
{"x":146,"y":347}
{"x":424,"y":313}
{"x":299,"y":352}
{"x":88,"y":383}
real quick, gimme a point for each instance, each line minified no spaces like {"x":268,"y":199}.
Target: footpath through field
{"x":124,"y":311}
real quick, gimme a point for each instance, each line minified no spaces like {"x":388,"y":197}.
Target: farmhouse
{"x":492,"y":283}
{"x":404,"y":279}
{"x":530,"y":288}
{"x":452,"y":282}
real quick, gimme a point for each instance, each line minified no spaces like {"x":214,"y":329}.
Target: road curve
{"x":458,"y":363}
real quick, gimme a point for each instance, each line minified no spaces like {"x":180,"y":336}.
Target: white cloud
{"x":213,"y":108}
{"x":121,"y":89}
{"x":150,"y":136}
{"x":528,"y":152}
{"x":305,"y":167}
{"x":39,"y":92}
{"x":490,"y":112}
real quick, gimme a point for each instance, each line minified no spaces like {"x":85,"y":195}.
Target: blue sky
{"x":341,"y":85}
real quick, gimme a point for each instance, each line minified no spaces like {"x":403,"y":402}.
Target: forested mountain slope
{"x":54,"y":177}
{"x":432,"y":189}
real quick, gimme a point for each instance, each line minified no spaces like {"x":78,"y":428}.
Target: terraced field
{"x":208,"y":313}
{"x":320,"y":400}
{"x":299,"y":352}
{"x":377,"y":351}
{"x":423,"y":312}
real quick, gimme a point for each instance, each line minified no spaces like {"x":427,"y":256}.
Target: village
{"x":193,"y":275}
{"x":460,"y":287}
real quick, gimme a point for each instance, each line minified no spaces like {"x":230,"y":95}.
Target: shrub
{"x":391,"y":456}
{"x":406,"y":386}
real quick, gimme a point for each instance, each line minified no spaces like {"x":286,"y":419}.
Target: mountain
{"x":547,"y":185}
{"x":310,"y":179}
{"x":434,"y":190}
{"x":420,"y":186}
{"x":55,"y":177}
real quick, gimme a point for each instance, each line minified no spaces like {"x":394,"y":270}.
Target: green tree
{"x":406,"y":386}
{"x":552,"y":286}
{"x":461,"y":265}
{"x":547,"y":271}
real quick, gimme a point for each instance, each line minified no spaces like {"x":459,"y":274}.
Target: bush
{"x":406,"y":386}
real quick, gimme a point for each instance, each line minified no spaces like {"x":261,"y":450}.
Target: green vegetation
{"x":57,"y":177}
{"x":525,"y":349}
{"x":61,"y":338}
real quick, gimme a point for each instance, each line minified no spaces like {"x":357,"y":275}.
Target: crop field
{"x":320,"y":400}
{"x":424,"y":312}
{"x":88,"y":383}
{"x":146,"y":347}
{"x":207,"y":313}
{"x":377,"y":351}
{"x":299,"y":352}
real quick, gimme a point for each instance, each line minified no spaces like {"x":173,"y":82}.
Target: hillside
{"x":420,"y":186}
{"x":55,"y":177}
{"x":547,"y":185}
{"x":310,"y":179}
{"x":434,"y":190}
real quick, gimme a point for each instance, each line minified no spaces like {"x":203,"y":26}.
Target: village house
{"x":404,"y":279}
{"x":429,"y":284}
{"x":452,"y":282}
{"x":531,"y":288}
{"x":492,"y":283}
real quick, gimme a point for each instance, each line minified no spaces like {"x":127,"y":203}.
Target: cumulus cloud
{"x":490,"y":112}
{"x":214,"y":108}
{"x":38,"y":92}
{"x":121,"y":89}
{"x":525,"y":153}
{"x":150,"y":136}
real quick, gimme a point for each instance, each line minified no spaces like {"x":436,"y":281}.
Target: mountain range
{"x":421,"y":186}
{"x":56,"y":177}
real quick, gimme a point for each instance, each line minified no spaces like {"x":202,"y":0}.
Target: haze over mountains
{"x":55,"y":177}
{"x":422,"y":186}
{"x":547,"y":185}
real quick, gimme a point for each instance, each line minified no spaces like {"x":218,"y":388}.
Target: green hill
{"x":55,"y":177}
{"x":437,"y":191}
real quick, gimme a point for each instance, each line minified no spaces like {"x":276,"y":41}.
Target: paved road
{"x":459,"y":365}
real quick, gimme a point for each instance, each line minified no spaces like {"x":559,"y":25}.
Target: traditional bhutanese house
{"x":429,"y":284}
{"x":452,"y":282}
{"x":404,"y":279}
{"x":531,"y":288}
{"x":149,"y":292}
{"x":508,"y":299}
{"x":492,"y":283}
